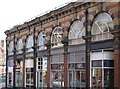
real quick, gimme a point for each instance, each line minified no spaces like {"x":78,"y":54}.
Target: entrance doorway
{"x":41,"y":72}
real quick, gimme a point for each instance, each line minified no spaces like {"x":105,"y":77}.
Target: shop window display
{"x":10,"y":73}
{"x":19,"y":74}
{"x":57,"y":71}
{"x":29,"y":77}
{"x":76,"y":71}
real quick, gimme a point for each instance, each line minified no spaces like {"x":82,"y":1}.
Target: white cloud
{"x":13,"y":12}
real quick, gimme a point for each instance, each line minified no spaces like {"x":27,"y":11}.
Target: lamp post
{"x":6,"y":62}
{"x":87,"y":39}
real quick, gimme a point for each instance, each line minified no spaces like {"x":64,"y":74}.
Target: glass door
{"x":39,"y":79}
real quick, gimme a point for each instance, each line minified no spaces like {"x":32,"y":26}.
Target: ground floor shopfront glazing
{"x":101,"y":70}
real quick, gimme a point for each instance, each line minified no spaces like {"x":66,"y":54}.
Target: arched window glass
{"x":11,"y":48}
{"x":56,"y":37}
{"x":102,"y":26}
{"x":76,"y":32}
{"x":41,"y":41}
{"x":29,"y":43}
{"x":19,"y":45}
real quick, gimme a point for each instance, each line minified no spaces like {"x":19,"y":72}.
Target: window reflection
{"x":41,"y":41}
{"x":29,"y":43}
{"x":19,"y":45}
{"x":11,"y":48}
{"x":76,"y":32}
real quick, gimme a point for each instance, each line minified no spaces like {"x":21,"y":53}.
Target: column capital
{"x":48,"y":43}
{"x":65,"y":41}
{"x":116,"y":34}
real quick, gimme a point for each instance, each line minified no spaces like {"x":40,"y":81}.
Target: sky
{"x":15,"y":12}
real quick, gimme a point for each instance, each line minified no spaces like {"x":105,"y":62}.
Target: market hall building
{"x":76,"y":45}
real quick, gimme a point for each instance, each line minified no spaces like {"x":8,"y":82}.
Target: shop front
{"x":102,"y":69}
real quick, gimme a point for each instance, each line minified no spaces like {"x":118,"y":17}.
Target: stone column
{"x":116,"y":34}
{"x":65,"y":42}
{"x":35,"y":55}
{"x":23,"y":50}
{"x":48,"y":45}
{"x":14,"y":67}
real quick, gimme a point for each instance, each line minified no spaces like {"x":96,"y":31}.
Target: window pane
{"x":76,"y":30}
{"x":56,"y":37}
{"x":41,"y":41}
{"x":108,"y":63}
{"x":109,"y":78}
{"x":97,"y":78}
{"x":97,"y":63}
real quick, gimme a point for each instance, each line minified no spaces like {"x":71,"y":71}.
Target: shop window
{"x":76,"y":71}
{"x":56,"y":37}
{"x":29,"y":43}
{"x":102,"y":70}
{"x":101,"y":27}
{"x":29,"y":77}
{"x":40,"y":63}
{"x":97,"y":63}
{"x":108,"y":63}
{"x":10,"y":73}
{"x":19,"y":45}
{"x":76,"y":32}
{"x":57,"y":71}
{"x":19,"y":74}
{"x":41,"y":41}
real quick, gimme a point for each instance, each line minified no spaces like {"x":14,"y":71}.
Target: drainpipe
{"x":34,"y":48}
{"x":6,"y":62}
{"x":86,"y":46}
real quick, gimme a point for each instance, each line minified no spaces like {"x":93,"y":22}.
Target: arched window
{"x":11,"y":48}
{"x":102,"y":26}
{"x":19,"y":45}
{"x":29,"y":43}
{"x":41,"y":41}
{"x":76,"y":32}
{"x":56,"y":37}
